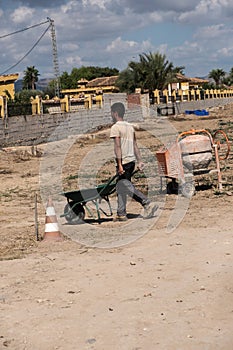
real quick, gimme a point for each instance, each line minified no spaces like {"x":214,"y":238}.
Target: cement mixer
{"x":191,"y":155}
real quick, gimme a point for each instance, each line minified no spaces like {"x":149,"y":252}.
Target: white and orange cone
{"x":51,"y":225}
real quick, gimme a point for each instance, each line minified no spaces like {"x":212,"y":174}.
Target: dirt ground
{"x":146,"y":287}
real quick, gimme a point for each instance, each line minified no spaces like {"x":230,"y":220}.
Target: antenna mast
{"x":55,"y":58}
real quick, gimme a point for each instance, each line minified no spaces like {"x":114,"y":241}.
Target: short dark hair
{"x":119,"y":108}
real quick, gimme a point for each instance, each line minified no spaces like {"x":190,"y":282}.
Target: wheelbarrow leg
{"x":161,"y":184}
{"x":218,"y":167}
{"x":109,"y":206}
{"x":97,"y":209}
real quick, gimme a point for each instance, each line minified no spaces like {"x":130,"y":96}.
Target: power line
{"x":54,"y":47}
{"x":36,"y":43}
{"x":22,"y":30}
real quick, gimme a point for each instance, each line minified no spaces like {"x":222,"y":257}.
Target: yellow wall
{"x":184,"y":86}
{"x":90,"y":90}
{"x":7,"y":84}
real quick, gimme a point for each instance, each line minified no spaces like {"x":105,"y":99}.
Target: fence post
{"x":198,"y":95}
{"x":65,"y":105}
{"x":99,"y":100}
{"x":165,"y":95}
{"x":88,"y":102}
{"x":34,"y":105}
{"x":2,"y":107}
{"x":156,"y":96}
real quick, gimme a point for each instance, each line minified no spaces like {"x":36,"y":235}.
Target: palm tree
{"x":217,"y":75}
{"x":125,"y":81}
{"x":229,"y":79}
{"x":153,"y":71}
{"x":30,"y":78}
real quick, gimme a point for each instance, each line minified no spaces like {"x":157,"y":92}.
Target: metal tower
{"x":55,"y":58}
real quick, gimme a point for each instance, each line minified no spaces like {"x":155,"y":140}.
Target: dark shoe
{"x":149,"y":210}
{"x":120,"y":218}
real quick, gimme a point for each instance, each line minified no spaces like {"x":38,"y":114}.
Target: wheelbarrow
{"x":190,"y":155}
{"x":74,"y":211}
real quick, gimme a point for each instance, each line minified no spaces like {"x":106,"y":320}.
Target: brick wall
{"x":33,"y":130}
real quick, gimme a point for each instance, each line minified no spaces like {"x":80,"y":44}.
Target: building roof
{"x":82,"y":81}
{"x":8,"y":77}
{"x":183,"y":78}
{"x":104,"y":81}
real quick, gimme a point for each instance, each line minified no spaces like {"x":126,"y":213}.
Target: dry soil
{"x":165,"y":291}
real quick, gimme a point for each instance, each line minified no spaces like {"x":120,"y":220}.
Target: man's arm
{"x":118,"y":154}
{"x":138,"y":154}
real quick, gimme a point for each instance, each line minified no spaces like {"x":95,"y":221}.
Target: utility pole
{"x":55,"y":58}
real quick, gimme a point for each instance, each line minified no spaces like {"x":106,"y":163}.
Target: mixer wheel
{"x":188,"y":189}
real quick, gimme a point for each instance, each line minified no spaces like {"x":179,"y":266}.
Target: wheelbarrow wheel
{"x":172,"y":187}
{"x":75,"y":215}
{"x":187,"y":189}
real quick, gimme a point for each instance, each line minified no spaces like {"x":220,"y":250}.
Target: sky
{"x":196,"y":34}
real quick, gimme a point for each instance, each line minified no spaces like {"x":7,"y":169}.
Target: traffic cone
{"x":51,"y":225}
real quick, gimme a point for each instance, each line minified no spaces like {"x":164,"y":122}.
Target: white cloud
{"x":118,"y":45}
{"x":148,"y":6}
{"x":120,"y":51}
{"x":69,"y":47}
{"x":195,"y":34}
{"x":73,"y":61}
{"x":100,"y":3}
{"x":205,"y":10}
{"x":215,"y":32}
{"x":226,"y":52}
{"x":155,"y":17}
{"x":22,"y":14}
{"x":68,"y":6}
{"x":128,"y":47}
{"x":33,"y":4}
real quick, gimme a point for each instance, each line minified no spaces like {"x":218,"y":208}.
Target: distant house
{"x":186,"y":83}
{"x":105,"y":83}
{"x":96,"y":86}
{"x":7,"y":85}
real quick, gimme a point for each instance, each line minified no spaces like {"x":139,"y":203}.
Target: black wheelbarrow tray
{"x":74,"y":210}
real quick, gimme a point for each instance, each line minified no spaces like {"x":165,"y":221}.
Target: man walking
{"x":127,"y":153}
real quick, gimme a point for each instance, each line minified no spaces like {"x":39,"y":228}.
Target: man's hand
{"x":120,"y":169}
{"x":141,"y":165}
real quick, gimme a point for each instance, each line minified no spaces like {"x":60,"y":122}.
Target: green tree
{"x":153,"y":71}
{"x":126,"y":81}
{"x":228,"y":79}
{"x":231,"y":76}
{"x":65,"y":81}
{"x":21,"y":105}
{"x":50,"y":89}
{"x":30,"y":78}
{"x":217,"y":75}
{"x":24,"y":96}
